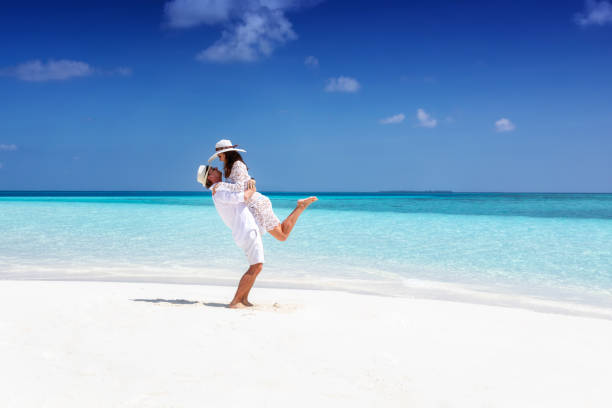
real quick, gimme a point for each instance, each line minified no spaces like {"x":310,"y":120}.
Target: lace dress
{"x":259,"y":205}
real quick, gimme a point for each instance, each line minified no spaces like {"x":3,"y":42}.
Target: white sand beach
{"x":105,"y":344}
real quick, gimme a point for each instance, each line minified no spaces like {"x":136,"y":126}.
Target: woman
{"x":238,"y":179}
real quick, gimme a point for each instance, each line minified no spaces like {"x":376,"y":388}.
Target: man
{"x":235,"y":214}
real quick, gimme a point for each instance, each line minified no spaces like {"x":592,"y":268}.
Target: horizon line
{"x":314,"y":191}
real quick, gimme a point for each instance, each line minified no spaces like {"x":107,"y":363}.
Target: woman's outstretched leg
{"x":282,"y":231}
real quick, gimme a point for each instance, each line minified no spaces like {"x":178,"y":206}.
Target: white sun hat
{"x":203,"y":174}
{"x":223,"y":146}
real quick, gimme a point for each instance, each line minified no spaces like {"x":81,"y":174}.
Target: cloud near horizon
{"x":53,"y":70}
{"x":504,"y":125}
{"x":8,"y":147}
{"x":425,"y":119}
{"x":596,"y":13}
{"x":399,"y":118}
{"x":57,"y":70}
{"x":253,"y":28}
{"x":342,"y":84}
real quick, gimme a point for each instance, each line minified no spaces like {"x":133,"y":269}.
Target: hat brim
{"x":229,"y":149}
{"x":203,"y":174}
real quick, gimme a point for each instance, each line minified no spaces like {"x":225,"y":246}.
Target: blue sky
{"x":323,"y":95}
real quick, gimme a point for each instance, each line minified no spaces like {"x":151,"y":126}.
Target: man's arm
{"x":227,"y":197}
{"x":248,"y":193}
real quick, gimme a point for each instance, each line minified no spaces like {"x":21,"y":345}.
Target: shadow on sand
{"x":181,"y":302}
{"x":261,"y":307}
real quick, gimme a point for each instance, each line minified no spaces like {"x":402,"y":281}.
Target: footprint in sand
{"x":276,"y":307}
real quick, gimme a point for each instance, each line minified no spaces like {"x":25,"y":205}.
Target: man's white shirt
{"x":235,"y":214}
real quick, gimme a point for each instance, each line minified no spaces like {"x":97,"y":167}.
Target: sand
{"x":106,"y":344}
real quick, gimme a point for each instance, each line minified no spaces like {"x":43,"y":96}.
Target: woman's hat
{"x":223,"y":146}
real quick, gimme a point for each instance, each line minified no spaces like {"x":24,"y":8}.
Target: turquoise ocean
{"x":546,"y":246}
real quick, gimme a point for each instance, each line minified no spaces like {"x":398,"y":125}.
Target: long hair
{"x":231,"y":157}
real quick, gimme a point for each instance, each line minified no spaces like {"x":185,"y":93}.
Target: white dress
{"x":259,"y":205}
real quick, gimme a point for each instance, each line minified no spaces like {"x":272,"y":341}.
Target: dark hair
{"x":231,"y":157}
{"x":208,"y":183}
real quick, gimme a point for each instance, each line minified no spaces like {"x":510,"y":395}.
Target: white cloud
{"x":256,"y":36}
{"x":596,"y":13}
{"x":8,"y":147}
{"x":253,"y":28}
{"x":399,"y":118}
{"x":342,"y":84}
{"x":57,"y":70}
{"x":504,"y":125}
{"x":312,"y":62}
{"x":425,"y":119}
{"x":52,"y":70}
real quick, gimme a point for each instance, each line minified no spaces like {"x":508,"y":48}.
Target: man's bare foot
{"x":305,"y":202}
{"x":246,"y":302}
{"x":236,"y":305}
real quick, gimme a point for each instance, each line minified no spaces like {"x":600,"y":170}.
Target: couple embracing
{"x":245,"y":211}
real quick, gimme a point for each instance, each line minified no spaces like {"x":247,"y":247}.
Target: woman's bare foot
{"x":237,"y":305}
{"x":305,"y":202}
{"x":246,"y":302}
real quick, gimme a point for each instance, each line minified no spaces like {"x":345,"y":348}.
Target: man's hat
{"x":203,"y":174}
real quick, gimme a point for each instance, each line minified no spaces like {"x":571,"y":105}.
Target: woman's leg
{"x":282,"y":231}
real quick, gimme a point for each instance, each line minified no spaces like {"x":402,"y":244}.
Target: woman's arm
{"x":224,"y":196}
{"x":231,"y":187}
{"x":240,"y":176}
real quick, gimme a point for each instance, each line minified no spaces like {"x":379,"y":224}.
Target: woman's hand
{"x":251,"y":183}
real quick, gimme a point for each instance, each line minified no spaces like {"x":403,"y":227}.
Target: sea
{"x":469,"y":246}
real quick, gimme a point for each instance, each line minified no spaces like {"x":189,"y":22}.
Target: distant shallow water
{"x":556,"y":246}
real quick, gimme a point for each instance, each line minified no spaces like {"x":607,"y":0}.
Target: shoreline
{"x":410,"y":288}
{"x":100,"y":344}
